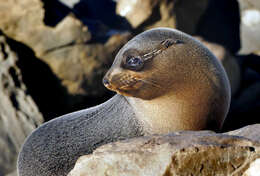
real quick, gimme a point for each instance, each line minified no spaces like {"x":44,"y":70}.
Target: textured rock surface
{"x":180,"y":153}
{"x":228,"y":61}
{"x":251,"y":132}
{"x":64,"y":47}
{"x":250,"y":26}
{"x":180,"y":14}
{"x":18,"y":113}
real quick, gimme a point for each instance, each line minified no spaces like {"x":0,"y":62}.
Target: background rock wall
{"x":19,"y":115}
{"x":54,"y":53}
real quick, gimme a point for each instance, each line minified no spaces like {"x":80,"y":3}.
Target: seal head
{"x":137,"y":70}
{"x":163,"y":62}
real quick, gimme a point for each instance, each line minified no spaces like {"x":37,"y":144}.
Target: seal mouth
{"x":123,"y":84}
{"x":128,"y":90}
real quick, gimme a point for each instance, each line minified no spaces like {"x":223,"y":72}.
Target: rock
{"x":136,"y":12}
{"x":253,"y":169}
{"x":96,"y":14}
{"x":23,"y":18}
{"x":183,"y":15}
{"x":250,"y":26}
{"x":14,"y":173}
{"x":228,"y":61}
{"x":245,"y":105}
{"x":67,"y":48}
{"x":251,"y":132}
{"x":70,"y":3}
{"x":18,"y":113}
{"x":180,"y":153}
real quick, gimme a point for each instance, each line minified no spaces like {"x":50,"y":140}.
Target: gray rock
{"x":251,"y":132}
{"x":18,"y":113}
{"x":14,"y":173}
{"x":70,"y":3}
{"x":181,"y":153}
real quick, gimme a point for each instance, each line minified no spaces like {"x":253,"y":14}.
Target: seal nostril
{"x":105,"y":81}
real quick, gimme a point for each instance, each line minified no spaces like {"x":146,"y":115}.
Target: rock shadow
{"x":245,"y":105}
{"x":51,"y":97}
{"x":42,"y":84}
{"x":99,"y":16}
{"x":222,"y":28}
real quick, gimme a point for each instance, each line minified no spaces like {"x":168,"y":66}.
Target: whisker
{"x":149,"y":82}
{"x":124,"y":86}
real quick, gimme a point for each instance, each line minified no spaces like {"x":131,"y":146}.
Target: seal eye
{"x":134,"y":63}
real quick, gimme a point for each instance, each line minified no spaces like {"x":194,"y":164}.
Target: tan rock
{"x":136,"y":11}
{"x":228,"y":61}
{"x":181,"y":153}
{"x":23,"y":21}
{"x":180,"y":14}
{"x":62,"y":47}
{"x":249,"y":26}
{"x":18,"y":113}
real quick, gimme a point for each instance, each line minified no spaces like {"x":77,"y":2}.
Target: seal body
{"x":53,"y":148}
{"x":168,"y":81}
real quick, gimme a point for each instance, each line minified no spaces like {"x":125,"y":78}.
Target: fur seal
{"x":166,"y":81}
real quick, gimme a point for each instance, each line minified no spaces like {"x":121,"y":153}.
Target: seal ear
{"x":169,"y":42}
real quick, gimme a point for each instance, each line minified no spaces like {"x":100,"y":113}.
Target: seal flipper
{"x":53,"y":148}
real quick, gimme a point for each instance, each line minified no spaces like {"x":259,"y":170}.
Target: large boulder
{"x":18,"y":113}
{"x":180,"y":153}
{"x":250,"y":26}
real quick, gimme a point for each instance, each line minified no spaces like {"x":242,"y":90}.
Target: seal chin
{"x":127,"y":89}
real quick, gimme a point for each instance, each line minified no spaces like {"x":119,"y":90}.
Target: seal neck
{"x":182,"y":110}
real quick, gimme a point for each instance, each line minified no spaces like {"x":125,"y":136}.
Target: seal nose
{"x":105,"y":81}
